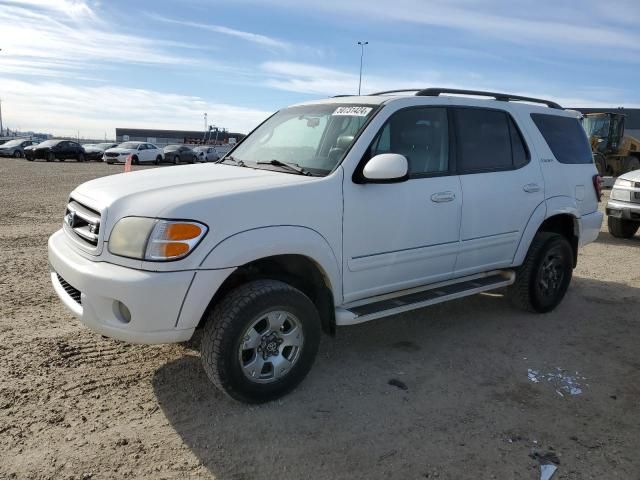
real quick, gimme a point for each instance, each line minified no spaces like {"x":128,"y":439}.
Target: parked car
{"x":141,"y":152}
{"x":62,"y":150}
{"x":206,"y":153}
{"x":623,"y":208}
{"x":15,"y":148}
{"x":179,"y":153}
{"x":96,"y":151}
{"x":332,"y":213}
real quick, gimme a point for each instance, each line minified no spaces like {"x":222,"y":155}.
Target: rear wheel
{"x":17,"y":154}
{"x":134,"y":160}
{"x":81,"y":157}
{"x":51,"y":157}
{"x":176,"y":160}
{"x":544,"y":277}
{"x":260,"y":341}
{"x":621,"y":228}
{"x":158,"y":160}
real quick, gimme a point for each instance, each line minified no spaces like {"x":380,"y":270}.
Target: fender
{"x":249,"y":245}
{"x":550,"y":207}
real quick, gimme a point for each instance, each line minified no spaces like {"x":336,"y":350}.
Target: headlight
{"x":624,"y":183}
{"x":154,"y":239}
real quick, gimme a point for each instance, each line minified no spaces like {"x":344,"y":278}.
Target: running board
{"x":412,"y":299}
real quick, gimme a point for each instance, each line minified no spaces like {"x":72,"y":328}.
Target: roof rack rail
{"x":504,"y":97}
{"x":404,"y":90}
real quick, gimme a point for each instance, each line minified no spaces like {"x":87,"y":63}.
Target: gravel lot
{"x":76,"y":405}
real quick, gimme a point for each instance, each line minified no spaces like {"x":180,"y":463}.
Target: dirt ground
{"x":76,"y":405}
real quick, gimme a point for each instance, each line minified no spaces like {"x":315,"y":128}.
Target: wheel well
{"x":567,"y":226}
{"x":298,"y":271}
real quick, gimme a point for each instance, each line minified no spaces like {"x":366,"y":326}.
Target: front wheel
{"x":158,"y":159}
{"x":81,"y":157}
{"x":18,"y":154}
{"x":51,"y":157}
{"x":621,"y":228}
{"x":260,"y":341}
{"x":176,"y":160}
{"x":544,"y":277}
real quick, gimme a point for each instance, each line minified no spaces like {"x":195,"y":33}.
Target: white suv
{"x":332,"y":213}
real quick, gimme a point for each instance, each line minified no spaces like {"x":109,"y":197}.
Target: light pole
{"x":362,"y":44}
{"x":205,"y":122}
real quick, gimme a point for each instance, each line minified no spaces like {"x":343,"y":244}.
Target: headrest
{"x":344,"y":141}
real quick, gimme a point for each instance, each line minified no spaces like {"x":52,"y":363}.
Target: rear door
{"x":501,"y":187}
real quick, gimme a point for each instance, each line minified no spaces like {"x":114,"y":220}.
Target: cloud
{"x":248,"y":36}
{"x":99,"y":109}
{"x":50,"y":37}
{"x":545,"y":22}
{"x":319,"y":80}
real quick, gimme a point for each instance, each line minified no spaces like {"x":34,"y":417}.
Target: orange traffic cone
{"x":127,"y":163}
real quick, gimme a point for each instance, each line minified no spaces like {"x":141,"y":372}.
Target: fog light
{"x":122,"y":312}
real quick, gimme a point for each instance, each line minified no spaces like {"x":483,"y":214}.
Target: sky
{"x":85,"y":67}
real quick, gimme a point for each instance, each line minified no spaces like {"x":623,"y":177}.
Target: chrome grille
{"x":71,"y":291}
{"x":83,"y":222}
{"x":111,"y":154}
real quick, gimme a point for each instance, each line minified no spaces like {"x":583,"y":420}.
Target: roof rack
{"x":404,"y":90}
{"x":504,"y":97}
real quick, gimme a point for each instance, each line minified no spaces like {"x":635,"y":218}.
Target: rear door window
{"x":565,"y":136}
{"x":484,"y":140}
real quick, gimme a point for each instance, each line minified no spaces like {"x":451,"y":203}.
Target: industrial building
{"x":162,"y":138}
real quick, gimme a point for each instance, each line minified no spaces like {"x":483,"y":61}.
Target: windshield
{"x":597,"y":126}
{"x":13,"y":143}
{"x":104,"y":145}
{"x":49,"y":143}
{"x":129,"y":145}
{"x":314,"y":137}
{"x":169,"y":148}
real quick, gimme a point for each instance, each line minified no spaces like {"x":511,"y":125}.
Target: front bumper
{"x":164,"y":307}
{"x":624,"y":210}
{"x":6,"y":153}
{"x":590,"y":225}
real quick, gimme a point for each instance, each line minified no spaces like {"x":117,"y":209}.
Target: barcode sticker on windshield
{"x":353,"y":111}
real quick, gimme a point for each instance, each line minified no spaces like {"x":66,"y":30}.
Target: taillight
{"x":597,"y":185}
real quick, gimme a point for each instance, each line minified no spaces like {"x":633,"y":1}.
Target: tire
{"x":544,"y":277}
{"x":241,"y":316}
{"x":134,"y":160}
{"x":630,"y":164}
{"x":29,"y":158}
{"x":621,"y":228}
{"x":17,"y":154}
{"x":158,"y":160}
{"x":51,"y":157}
{"x":176,"y":160}
{"x":81,"y":157}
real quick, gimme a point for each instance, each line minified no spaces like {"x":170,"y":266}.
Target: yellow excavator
{"x":614,"y":152}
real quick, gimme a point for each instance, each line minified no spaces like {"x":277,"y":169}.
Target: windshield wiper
{"x":294,"y":167}
{"x":237,"y":161}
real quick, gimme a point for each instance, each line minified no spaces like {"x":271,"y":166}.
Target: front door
{"x":401,"y":235}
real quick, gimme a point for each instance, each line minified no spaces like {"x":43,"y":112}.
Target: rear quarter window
{"x":566,"y":138}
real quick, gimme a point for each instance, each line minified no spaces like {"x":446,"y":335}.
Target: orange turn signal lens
{"x":182,"y":231}
{"x":172,"y":249}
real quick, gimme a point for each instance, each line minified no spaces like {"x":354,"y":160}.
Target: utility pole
{"x":362,"y":44}
{"x":205,"y":121}
{"x":1,"y":130}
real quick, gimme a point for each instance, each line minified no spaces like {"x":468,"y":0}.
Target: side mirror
{"x":386,"y":168}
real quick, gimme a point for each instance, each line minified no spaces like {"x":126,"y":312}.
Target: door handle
{"x":531,"y":188}
{"x":442,"y":197}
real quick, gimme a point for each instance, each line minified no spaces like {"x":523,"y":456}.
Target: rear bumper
{"x":590,"y":225}
{"x":164,"y":307}
{"x":624,"y":210}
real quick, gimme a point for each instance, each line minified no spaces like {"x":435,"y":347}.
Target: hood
{"x":148,"y":192}
{"x":93,"y":149}
{"x":121,"y":150}
{"x":633,"y":176}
